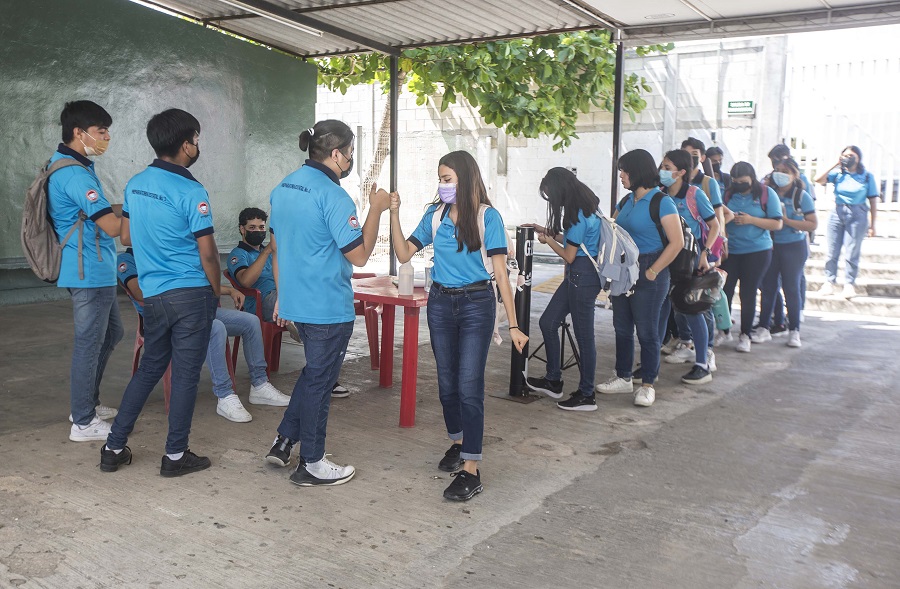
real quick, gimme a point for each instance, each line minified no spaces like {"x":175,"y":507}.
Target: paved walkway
{"x":782,"y":472}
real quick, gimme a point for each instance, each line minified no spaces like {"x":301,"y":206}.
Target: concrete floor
{"x":782,"y":472}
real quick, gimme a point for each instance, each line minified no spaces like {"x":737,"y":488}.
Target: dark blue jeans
{"x":749,"y":269}
{"x":176,"y":328}
{"x":576,"y":295}
{"x":461,"y":326}
{"x":306,"y":417}
{"x":98,"y":328}
{"x":786,"y":271}
{"x":640,"y":311}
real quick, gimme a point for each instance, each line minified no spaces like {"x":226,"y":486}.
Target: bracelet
{"x":655,"y":273}
{"x":514,"y":327}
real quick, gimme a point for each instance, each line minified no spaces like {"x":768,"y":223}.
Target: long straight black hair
{"x":470,"y":195}
{"x":566,"y":195}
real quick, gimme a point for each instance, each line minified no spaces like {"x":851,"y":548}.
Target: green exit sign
{"x":741,"y":107}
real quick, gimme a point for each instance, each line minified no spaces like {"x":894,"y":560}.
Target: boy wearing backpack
{"x":88,"y":266}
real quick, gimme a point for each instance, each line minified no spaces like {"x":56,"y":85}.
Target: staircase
{"x":878,"y":282}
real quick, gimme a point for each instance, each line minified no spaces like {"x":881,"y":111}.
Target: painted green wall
{"x":252,"y":104}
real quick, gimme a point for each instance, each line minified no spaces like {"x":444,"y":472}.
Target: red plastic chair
{"x":271,"y":333}
{"x":167,"y":377}
{"x":370,"y":311}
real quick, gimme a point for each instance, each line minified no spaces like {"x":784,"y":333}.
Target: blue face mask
{"x":666,"y":177}
{"x":447,"y":193}
{"x":781,"y":179}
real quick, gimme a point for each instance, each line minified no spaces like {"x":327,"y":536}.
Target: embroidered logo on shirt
{"x":203,"y":207}
{"x":234,"y":260}
{"x":123,"y":267}
{"x":354,"y":222}
{"x":92,"y":195}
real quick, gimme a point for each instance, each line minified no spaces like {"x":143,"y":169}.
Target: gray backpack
{"x":41,"y":246}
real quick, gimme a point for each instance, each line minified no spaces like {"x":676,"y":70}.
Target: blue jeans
{"x":231,"y":322}
{"x":576,"y":295}
{"x":268,"y":305}
{"x":786,"y":271}
{"x":698,"y":327}
{"x":641,"y":310}
{"x":778,"y":311}
{"x":852,"y":220}
{"x":306,"y":417}
{"x":461,"y":326}
{"x":176,"y":328}
{"x":98,"y":328}
{"x":749,"y":269}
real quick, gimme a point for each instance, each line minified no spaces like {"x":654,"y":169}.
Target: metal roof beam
{"x":306,"y":10}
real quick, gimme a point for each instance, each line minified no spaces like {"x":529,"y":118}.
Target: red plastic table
{"x":382,"y":291}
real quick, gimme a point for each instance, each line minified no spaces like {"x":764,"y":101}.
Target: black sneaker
{"x":638,"y":374}
{"x":280,"y":454}
{"x":187,"y":464}
{"x":465,"y":486}
{"x":339,"y":392}
{"x":552,"y":388}
{"x":451,"y":460}
{"x":578,"y":401}
{"x":110,"y":461}
{"x":778,"y":329}
{"x":697,"y":375}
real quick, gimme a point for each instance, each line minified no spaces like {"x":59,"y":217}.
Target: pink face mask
{"x":447,"y":193}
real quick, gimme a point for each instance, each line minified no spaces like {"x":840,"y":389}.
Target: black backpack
{"x":682,"y":268}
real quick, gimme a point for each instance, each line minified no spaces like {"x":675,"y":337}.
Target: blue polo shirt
{"x":748,"y":239}
{"x":242,"y":257}
{"x":125,"y":271}
{"x":586,"y":231}
{"x":168,"y":209}
{"x":704,"y":208}
{"x":455,"y":269}
{"x":314,"y":221}
{"x":852,"y":189}
{"x":635,"y":218}
{"x":789,"y":234}
{"x":70,"y":191}
{"x":715,"y":191}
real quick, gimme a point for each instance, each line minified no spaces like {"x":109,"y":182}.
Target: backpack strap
{"x":691,"y":199}
{"x":655,"y":201}
{"x":82,"y":217}
{"x":704,"y":184}
{"x":436,"y":219}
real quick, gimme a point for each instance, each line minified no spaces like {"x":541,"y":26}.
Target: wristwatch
{"x":707,"y":250}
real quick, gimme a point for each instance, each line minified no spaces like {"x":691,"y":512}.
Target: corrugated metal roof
{"x":354,"y":26}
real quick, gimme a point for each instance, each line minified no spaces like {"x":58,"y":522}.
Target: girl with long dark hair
{"x":572,"y":227}
{"x":461,"y":305}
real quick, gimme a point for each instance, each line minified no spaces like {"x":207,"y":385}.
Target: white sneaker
{"x":722,"y":337}
{"x":711,"y":360}
{"x":802,"y":316}
{"x":670,"y":346}
{"x":230,"y":408}
{"x":743,"y":344}
{"x":827,"y":289}
{"x":644,"y":396}
{"x":615,"y":385}
{"x":102,"y":411}
{"x":849,"y":291}
{"x":266,"y":394}
{"x":323,"y":472}
{"x":96,"y":430}
{"x":794,"y":339}
{"x":760,"y":335}
{"x":683,"y":353}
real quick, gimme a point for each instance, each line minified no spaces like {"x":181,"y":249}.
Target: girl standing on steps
{"x":571,"y":224}
{"x":461,"y":305}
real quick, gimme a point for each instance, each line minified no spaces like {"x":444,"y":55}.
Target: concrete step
{"x":863,"y":305}
{"x":867,"y":269}
{"x":874,"y":249}
{"x":864,"y":287}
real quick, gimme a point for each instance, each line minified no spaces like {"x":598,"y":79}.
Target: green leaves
{"x":530,"y":87}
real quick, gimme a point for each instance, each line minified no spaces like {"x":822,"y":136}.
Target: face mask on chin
{"x":99,"y":148}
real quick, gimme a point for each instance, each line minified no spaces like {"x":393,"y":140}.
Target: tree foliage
{"x":529,"y":87}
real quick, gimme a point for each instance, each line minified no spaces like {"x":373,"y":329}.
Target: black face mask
{"x":255,"y":238}
{"x":345,"y":173}
{"x":195,"y":158}
{"x":848,"y":161}
{"x":695,"y":159}
{"x":717,"y":168}
{"x":740,"y":187}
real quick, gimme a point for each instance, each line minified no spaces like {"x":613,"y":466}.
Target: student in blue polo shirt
{"x":317,"y":239}
{"x":789,"y":252}
{"x":571,"y":222}
{"x":715,"y":155}
{"x":250,"y":264}
{"x":167,"y":215}
{"x":228,"y":322}
{"x":641,"y":309}
{"x":757,"y":212}
{"x":855,"y":194}
{"x":675,"y":167}
{"x":461,"y":305}
{"x":74,"y":192}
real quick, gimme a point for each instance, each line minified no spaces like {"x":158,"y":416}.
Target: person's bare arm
{"x":518,"y":337}
{"x":209,"y":259}
{"x":125,"y":235}
{"x":248,"y":276}
{"x":379,"y":201}
{"x":403,"y":248}
{"x":135,"y":289}
{"x":672,"y":226}
{"x":110,"y":224}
